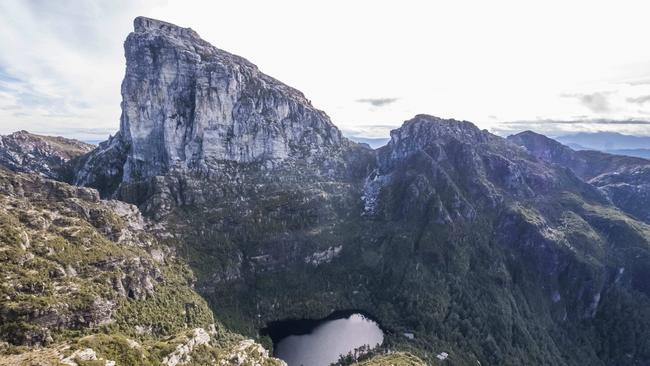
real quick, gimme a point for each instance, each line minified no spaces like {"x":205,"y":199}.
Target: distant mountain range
{"x":93,"y":142}
{"x":611,"y":142}
{"x":373,"y":142}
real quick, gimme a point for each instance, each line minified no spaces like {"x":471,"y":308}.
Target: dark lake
{"x":320,"y":342}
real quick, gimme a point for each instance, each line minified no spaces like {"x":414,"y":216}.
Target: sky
{"x":555,"y":67}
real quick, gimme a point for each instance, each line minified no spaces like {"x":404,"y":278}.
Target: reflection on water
{"x":328,"y":341}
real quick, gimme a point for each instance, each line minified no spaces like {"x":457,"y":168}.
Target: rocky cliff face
{"x":622,"y":178}
{"x":191,"y":107}
{"x":45,"y":155}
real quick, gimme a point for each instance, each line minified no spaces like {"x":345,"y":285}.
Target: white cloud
{"x":378,"y":102}
{"x":464,"y":59}
{"x":62,"y":65}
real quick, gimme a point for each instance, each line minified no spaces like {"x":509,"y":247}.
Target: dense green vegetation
{"x":81,"y":273}
{"x":509,"y":278}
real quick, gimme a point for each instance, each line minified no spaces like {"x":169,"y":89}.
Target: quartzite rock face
{"x":188,"y":106}
{"x":45,"y":155}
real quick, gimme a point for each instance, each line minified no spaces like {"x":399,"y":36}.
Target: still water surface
{"x":327,"y":341}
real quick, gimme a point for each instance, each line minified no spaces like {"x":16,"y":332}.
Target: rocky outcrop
{"x":85,"y":355}
{"x":586,"y":164}
{"x":236,"y":352}
{"x":396,"y":358}
{"x":624,"y":179}
{"x":199,"y":346}
{"x":45,"y":155}
{"x":247,"y":352}
{"x":182,"y":354}
{"x":103,"y":168}
{"x":74,"y":262}
{"x":55,"y":356}
{"x":191,"y":107}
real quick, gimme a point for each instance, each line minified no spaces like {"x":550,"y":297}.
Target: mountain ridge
{"x":45,"y":155}
{"x":624,"y":179}
{"x":605,"y":141}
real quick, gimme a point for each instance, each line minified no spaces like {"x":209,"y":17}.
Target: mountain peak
{"x":189,"y":106}
{"x":143,"y":24}
{"x":534,"y":141}
{"x":529,"y":133}
{"x":424,"y":128}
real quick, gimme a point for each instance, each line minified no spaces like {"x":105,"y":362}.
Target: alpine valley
{"x":227,"y":202}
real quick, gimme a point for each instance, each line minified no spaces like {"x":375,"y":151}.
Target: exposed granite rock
{"x":103,"y":167}
{"x":394,"y":359}
{"x":45,"y":155}
{"x":248,"y":352}
{"x":85,"y":355}
{"x":189,"y":106}
{"x":55,"y":356}
{"x":200,"y":346}
{"x":238,"y":352}
{"x":181,"y":355}
{"x":324,"y":256}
